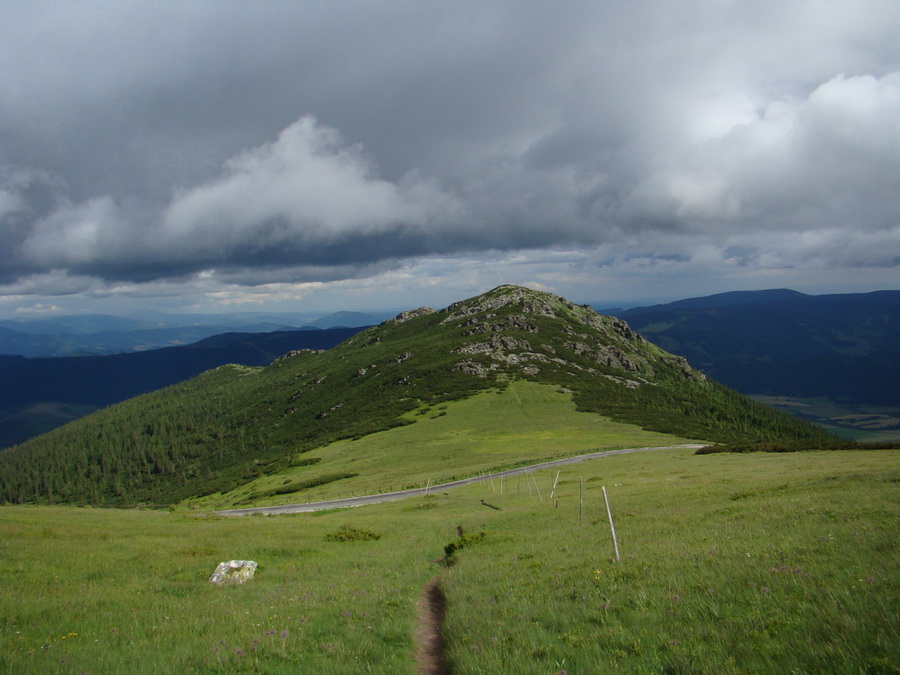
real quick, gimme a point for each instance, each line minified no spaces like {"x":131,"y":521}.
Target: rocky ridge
{"x":606,"y":343}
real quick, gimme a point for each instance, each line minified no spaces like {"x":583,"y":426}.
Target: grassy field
{"x":730,"y":563}
{"x":524,"y":422}
{"x":748,"y":564}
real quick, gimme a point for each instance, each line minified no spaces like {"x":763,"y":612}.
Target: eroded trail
{"x":430,"y":656}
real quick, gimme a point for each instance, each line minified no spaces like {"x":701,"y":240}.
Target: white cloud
{"x":75,"y":234}
{"x":306,"y":188}
{"x":38,"y":309}
{"x":831,"y":159}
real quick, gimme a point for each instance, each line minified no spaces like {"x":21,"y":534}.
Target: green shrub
{"x":350,"y":533}
{"x":313,"y":482}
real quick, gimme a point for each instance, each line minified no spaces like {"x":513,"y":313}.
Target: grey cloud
{"x":303,"y":189}
{"x":832,"y":159}
{"x":155,"y":140}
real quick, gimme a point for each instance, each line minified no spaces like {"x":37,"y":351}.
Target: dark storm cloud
{"x":144,"y":141}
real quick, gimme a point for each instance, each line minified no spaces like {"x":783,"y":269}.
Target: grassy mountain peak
{"x":231,"y":425}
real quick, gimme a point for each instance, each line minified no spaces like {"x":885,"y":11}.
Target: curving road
{"x":403,"y":494}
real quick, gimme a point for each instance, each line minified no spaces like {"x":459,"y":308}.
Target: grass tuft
{"x":349,"y":533}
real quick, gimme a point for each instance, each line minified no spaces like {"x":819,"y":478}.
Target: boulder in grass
{"x":234,"y":572}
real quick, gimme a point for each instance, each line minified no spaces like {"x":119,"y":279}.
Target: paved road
{"x":403,"y":494}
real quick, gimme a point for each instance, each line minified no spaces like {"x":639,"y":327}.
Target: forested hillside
{"x":40,"y":394}
{"x":234,"y":423}
{"x":841,"y":347}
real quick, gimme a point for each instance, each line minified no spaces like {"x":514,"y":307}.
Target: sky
{"x":320,"y":155}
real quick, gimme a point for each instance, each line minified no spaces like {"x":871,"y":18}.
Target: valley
{"x":859,"y":422}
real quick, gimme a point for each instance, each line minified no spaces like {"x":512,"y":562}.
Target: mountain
{"x":76,"y":324}
{"x":96,"y":334}
{"x":39,"y":394}
{"x":233,"y":424}
{"x":767,"y":297}
{"x":116,"y":340}
{"x":17,"y":342}
{"x":842,"y":347}
{"x":106,"y":343}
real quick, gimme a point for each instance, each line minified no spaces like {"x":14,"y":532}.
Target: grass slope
{"x":731,"y":564}
{"x":524,"y":422}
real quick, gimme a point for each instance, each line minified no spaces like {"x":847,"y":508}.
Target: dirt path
{"x":430,"y":656}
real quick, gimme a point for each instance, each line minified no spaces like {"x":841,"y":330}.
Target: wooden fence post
{"x":612,"y":528}
{"x":553,"y":489}
{"x":580,"y":500}
{"x":534,"y":480}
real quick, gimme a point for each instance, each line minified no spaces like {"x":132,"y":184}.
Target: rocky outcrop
{"x":567,"y":335}
{"x":325,"y":413}
{"x":608,"y":355}
{"x":505,"y":351}
{"x":299,"y":352}
{"x":403,"y":317}
{"x":532,"y":302}
{"x":491,"y":324}
{"x":470,"y":367}
{"x":609,"y":325}
{"x":689,"y":373}
{"x":234,"y":572}
{"x":494,"y":344}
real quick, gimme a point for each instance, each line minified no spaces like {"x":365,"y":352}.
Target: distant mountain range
{"x":842,"y":347}
{"x":84,"y":334}
{"x":39,"y":394}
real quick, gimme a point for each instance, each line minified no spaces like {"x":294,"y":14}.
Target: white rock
{"x":234,"y":572}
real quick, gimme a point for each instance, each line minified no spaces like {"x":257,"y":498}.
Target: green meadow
{"x":526,"y":421}
{"x":730,"y":563}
